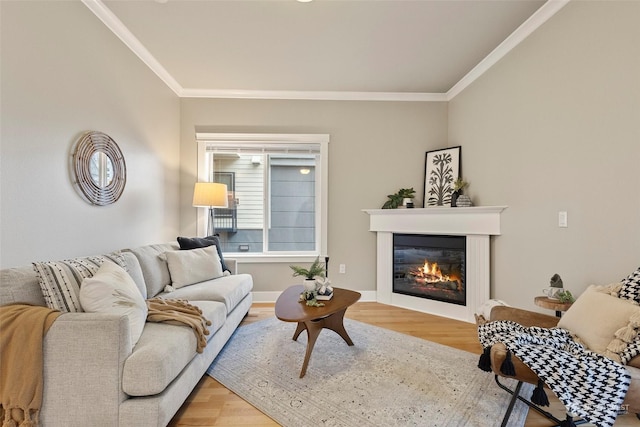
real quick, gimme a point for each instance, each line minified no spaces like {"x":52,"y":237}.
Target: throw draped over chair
{"x":504,"y":364}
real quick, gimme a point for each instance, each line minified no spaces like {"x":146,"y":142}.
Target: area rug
{"x":385,"y":379}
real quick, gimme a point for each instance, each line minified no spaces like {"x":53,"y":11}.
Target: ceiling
{"x":236,"y":48}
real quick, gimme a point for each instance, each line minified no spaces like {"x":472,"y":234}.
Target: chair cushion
{"x":229,"y":290}
{"x":595,"y":318}
{"x":631,"y":287}
{"x":163,"y":351}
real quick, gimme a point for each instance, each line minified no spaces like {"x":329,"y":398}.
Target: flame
{"x":432,"y":272}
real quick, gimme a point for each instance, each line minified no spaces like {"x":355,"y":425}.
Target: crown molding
{"x":546,"y":11}
{"x":122,"y":32}
{"x":314,"y":95}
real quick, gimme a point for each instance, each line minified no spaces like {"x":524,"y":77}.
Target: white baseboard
{"x":272,"y":296}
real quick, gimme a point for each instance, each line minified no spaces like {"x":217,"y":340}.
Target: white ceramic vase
{"x":309,"y":285}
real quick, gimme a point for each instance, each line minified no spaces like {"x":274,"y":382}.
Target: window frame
{"x":250,"y":140}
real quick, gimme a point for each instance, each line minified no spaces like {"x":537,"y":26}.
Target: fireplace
{"x":475,"y":225}
{"x":430,"y":266}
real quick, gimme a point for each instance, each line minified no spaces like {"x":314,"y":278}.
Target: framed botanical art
{"x":441,"y":169}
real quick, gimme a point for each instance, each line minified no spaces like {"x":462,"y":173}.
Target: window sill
{"x":255,"y":258}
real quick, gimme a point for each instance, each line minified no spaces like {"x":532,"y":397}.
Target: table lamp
{"x":210,"y":195}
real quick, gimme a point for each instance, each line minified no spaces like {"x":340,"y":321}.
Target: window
{"x":277,"y":192}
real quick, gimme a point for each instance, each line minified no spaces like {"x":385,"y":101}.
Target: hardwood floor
{"x":211,"y":404}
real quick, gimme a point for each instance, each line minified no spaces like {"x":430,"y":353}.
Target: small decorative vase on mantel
{"x":464,"y":201}
{"x":454,"y":198}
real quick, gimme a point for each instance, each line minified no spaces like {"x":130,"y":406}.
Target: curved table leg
{"x":301,"y":327}
{"x":335,"y":322}
{"x":313,"y":330}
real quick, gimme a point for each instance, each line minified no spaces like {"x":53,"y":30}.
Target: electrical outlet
{"x":563,"y":219}
{"x":343,"y":268}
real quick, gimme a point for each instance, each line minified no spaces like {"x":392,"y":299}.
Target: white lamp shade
{"x":210,"y":194}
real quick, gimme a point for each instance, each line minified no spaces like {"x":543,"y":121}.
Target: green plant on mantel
{"x":459,"y":184}
{"x":395,"y":200}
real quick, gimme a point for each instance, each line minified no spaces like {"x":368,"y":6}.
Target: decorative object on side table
{"x":404,"y":197}
{"x":316,"y":285}
{"x":442,"y":168}
{"x":556,"y":297}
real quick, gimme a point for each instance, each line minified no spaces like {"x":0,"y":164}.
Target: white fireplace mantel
{"x":476,"y":223}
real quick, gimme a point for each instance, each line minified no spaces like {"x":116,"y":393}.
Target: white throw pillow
{"x":595,"y":318}
{"x":193,"y":266}
{"x":112,"y":290}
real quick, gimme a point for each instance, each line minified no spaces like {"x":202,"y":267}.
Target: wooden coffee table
{"x":314,"y":319}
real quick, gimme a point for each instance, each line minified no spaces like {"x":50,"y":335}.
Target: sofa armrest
{"x":523,"y":317}
{"x":84,"y":355}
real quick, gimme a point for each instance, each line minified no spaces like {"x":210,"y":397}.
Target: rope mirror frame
{"x":89,"y":145}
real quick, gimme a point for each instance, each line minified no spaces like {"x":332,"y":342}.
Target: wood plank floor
{"x":211,"y":404}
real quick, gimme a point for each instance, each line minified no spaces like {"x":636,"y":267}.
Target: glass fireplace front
{"x":430,"y":266}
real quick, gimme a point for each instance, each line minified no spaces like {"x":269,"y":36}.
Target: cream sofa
{"x":92,"y":374}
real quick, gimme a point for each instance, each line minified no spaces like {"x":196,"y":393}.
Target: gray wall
{"x":63,"y":72}
{"x":376,"y":148}
{"x":555,"y":126}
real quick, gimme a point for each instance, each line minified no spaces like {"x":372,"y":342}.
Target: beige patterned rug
{"x":385,"y":379}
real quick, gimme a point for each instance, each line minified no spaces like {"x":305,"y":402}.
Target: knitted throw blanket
{"x":587,"y":383}
{"x":180,"y":312}
{"x":22,"y":329}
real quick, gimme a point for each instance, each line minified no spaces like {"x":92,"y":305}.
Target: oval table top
{"x":289,"y":308}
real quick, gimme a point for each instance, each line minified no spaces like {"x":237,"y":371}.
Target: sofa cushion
{"x":135,"y":271}
{"x":60,"y":280}
{"x":193,"y":266}
{"x":596,"y":317}
{"x":202,"y":242}
{"x":111,"y":290}
{"x":154,"y":269}
{"x":20,"y":285}
{"x":163,"y":351}
{"x":229,"y":290}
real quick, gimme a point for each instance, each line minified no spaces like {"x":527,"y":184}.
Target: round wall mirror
{"x":99,"y":167}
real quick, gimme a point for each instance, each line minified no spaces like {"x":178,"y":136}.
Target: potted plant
{"x":397,"y":199}
{"x":309,"y":274}
{"x":315,"y":284}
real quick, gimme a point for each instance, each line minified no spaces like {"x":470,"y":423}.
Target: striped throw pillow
{"x":60,"y":280}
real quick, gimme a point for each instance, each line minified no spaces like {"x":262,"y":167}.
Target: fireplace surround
{"x":475,"y":224}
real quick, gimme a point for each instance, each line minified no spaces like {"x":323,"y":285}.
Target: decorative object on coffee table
{"x":314,"y":319}
{"x":314,"y":279}
{"x":442,"y":169}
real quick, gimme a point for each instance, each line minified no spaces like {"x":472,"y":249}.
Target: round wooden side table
{"x":552,"y":304}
